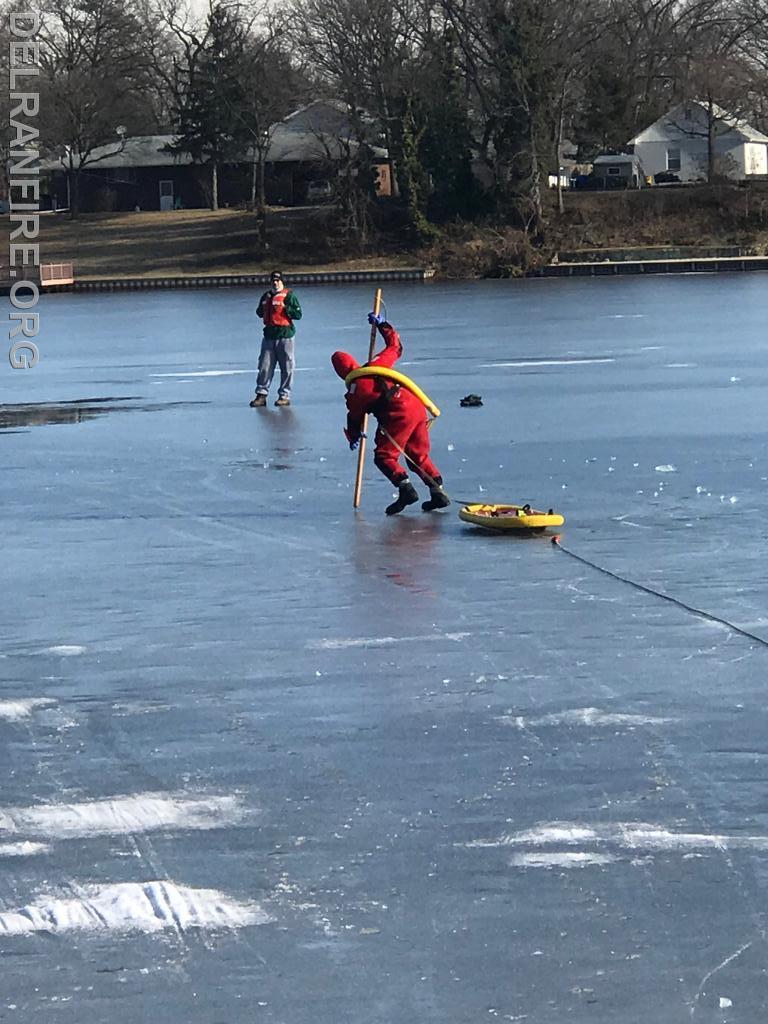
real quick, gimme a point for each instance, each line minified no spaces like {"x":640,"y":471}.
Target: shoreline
{"x":301,"y":277}
{"x":592,"y":268}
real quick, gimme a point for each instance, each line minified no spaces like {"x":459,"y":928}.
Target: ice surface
{"x":464,"y":775}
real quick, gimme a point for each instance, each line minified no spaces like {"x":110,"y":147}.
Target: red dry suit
{"x":400,"y":414}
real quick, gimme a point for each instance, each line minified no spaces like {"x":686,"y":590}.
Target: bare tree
{"x":576,"y":32}
{"x":272,"y":86}
{"x":754,"y":52}
{"x":507,"y":52}
{"x":93,"y":69}
{"x":366,"y":52}
{"x":709,"y":39}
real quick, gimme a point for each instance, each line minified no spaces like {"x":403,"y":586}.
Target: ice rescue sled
{"x":504,"y":518}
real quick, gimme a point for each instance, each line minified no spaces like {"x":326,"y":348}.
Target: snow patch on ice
{"x":13,"y":710}
{"x":585,"y":716}
{"x":65,"y":650}
{"x":124,"y":815}
{"x":380,"y":641}
{"x":668,"y":468}
{"x":202,"y":373}
{"x":554,"y":833}
{"x":628,"y":835}
{"x":22,"y":849}
{"x":132,"y":907}
{"x":560,"y":860}
{"x":546,"y":362}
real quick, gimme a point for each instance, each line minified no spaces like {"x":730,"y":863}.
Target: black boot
{"x":407,"y":496}
{"x":437,"y":498}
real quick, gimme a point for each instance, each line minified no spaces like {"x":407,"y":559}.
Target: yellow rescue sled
{"x":502,"y":518}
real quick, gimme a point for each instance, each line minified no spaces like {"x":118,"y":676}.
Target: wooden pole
{"x":361,"y":449}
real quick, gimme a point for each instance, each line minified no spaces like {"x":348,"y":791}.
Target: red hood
{"x":344,"y":363}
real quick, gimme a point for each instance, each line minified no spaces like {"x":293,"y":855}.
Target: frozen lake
{"x":268,"y":759}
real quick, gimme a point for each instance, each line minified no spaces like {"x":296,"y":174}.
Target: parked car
{"x":319,"y":191}
{"x":666,"y":178}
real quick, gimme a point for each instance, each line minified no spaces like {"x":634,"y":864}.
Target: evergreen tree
{"x":445,"y":149}
{"x":407,"y":136}
{"x":605,"y":120}
{"x":207,"y":125}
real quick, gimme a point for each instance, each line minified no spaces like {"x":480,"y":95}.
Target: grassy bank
{"x":301,"y":238}
{"x":195,"y":242}
{"x":700,"y":217}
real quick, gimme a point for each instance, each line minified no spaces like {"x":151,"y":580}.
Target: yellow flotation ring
{"x":399,"y":378}
{"x":509,"y":517}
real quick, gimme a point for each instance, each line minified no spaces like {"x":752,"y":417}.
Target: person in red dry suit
{"x":402,"y":423}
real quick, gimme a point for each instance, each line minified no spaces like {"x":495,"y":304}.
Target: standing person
{"x":278,"y":308}
{"x":402,"y":423}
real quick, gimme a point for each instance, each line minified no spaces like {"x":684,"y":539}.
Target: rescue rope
{"x":429,"y":480}
{"x":657,"y":593}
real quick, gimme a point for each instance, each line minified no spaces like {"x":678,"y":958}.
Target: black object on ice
{"x":469,"y":401}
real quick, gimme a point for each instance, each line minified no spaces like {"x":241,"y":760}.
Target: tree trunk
{"x":74,"y":194}
{"x":710,"y":140}
{"x":214,"y":185}
{"x":262,"y":181}
{"x":73,"y":198}
{"x":535,"y":192}
{"x":558,"y":147}
{"x":394,"y":184}
{"x":261,"y":206}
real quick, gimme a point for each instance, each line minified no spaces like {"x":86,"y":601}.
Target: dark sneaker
{"x":283,"y":401}
{"x":407,"y":496}
{"x":437,"y":499}
{"x":258,"y":401}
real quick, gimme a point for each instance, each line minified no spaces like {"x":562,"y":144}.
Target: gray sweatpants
{"x":275,"y":351}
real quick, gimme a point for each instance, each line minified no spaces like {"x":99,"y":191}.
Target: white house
{"x":677,"y":143}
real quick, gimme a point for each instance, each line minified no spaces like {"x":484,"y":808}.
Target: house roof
{"x":291,"y":143}
{"x":137,"y":151}
{"x":331,"y":117}
{"x":690,"y":118}
{"x":288,"y":143}
{"x":615,"y":158}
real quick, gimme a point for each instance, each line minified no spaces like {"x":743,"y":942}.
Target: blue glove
{"x":374,"y":319}
{"x":353,"y":441}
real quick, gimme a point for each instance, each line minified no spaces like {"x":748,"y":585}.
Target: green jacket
{"x":292,"y":311}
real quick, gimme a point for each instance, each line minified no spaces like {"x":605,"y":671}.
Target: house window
{"x":673,"y":159}
{"x":613,"y":170}
{"x":120,"y":175}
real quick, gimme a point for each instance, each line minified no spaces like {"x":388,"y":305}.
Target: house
{"x":676,"y":146}
{"x":139,"y":171}
{"x":618,"y":170}
{"x":610,"y":171}
{"x":142,"y":171}
{"x":314,"y":141}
